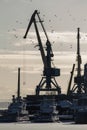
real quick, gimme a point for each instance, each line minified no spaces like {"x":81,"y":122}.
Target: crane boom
{"x":48,"y":42}
{"x":33,"y":20}
{"x":70,"y":81}
{"x":41,"y":46}
{"x":42,"y":26}
{"x":30,"y":23}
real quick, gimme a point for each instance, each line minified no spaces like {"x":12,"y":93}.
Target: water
{"x":42,"y":126}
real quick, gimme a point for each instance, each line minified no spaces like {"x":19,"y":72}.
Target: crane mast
{"x":79,"y":85}
{"x":78,"y":53}
{"x":48,"y":81}
{"x":78,"y":62}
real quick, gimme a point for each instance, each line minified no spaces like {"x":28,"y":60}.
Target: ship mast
{"x":18,"y":91}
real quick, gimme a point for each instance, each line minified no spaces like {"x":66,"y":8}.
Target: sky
{"x":61,"y":20}
{"x":59,"y":17}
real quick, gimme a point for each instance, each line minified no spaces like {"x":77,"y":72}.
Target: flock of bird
{"x":49,"y":20}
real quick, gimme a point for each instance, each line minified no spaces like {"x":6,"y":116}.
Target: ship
{"x":81,"y":111}
{"x":65,"y":110}
{"x":16,"y":110}
{"x":47,"y":112}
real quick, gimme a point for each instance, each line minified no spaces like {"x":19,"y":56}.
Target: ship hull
{"x":8,"y":118}
{"x":81,"y":117}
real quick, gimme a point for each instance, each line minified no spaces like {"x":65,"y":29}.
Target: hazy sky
{"x":59,"y":15}
{"x":61,"y":19}
{"x":64,"y":15}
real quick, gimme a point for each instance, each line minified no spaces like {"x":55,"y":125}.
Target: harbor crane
{"x":79,"y":86}
{"x":48,"y":81}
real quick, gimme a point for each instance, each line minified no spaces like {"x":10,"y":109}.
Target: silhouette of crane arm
{"x":33,"y":20}
{"x":48,"y":42}
{"x":30,"y":23}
